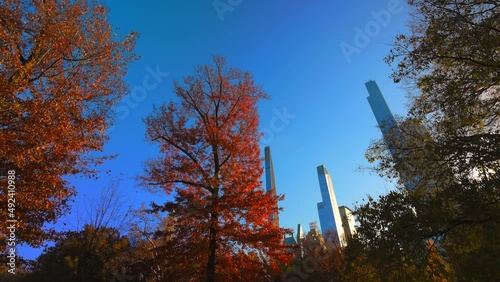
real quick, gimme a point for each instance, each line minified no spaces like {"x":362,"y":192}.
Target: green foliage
{"x":90,"y":255}
{"x":395,"y":238}
{"x":448,"y":150}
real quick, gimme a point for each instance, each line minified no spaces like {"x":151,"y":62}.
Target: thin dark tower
{"x":270,"y":182}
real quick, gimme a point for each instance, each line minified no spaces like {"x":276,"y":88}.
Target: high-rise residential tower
{"x":270,"y":182}
{"x":383,"y":115}
{"x":328,"y":209}
{"x":391,"y":131}
{"x":347,"y":221}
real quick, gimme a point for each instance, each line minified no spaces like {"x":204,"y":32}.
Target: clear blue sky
{"x":293,"y":49}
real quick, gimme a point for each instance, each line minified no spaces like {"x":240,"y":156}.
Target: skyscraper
{"x":391,"y":131}
{"x":328,"y":209}
{"x":270,"y":182}
{"x":383,"y":115}
{"x":300,"y":233}
{"x":347,"y":221}
{"x":313,"y":226}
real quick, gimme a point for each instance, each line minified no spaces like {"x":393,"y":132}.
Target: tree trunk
{"x":212,"y":245}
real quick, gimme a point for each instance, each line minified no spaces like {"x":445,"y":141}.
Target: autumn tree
{"x":93,"y":254}
{"x":210,"y":163}
{"x":319,"y":259}
{"x":111,"y":209}
{"x":91,"y":247}
{"x":450,"y":65}
{"x":23,"y":270}
{"x":61,"y":70}
{"x":150,"y":235}
{"x":323,"y":259}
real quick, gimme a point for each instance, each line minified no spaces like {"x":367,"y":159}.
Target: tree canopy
{"x":61,"y":70}
{"x":449,"y":63}
{"x":210,"y":162}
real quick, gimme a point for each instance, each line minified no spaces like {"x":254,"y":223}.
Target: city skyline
{"x":194,"y":140}
{"x":329,"y":221}
{"x":316,"y":96}
{"x":333,"y":217}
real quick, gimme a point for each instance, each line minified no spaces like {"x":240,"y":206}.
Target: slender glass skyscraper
{"x":391,"y":131}
{"x":270,"y":182}
{"x":383,"y":115}
{"x":328,"y":209}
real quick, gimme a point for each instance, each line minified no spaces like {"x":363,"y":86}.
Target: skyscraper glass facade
{"x":270,"y":182}
{"x":328,"y":210}
{"x":383,"y":115}
{"x":390,"y":129}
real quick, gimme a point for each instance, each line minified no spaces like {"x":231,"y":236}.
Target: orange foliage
{"x":61,"y":70}
{"x":211,"y":163}
{"x":436,"y":268}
